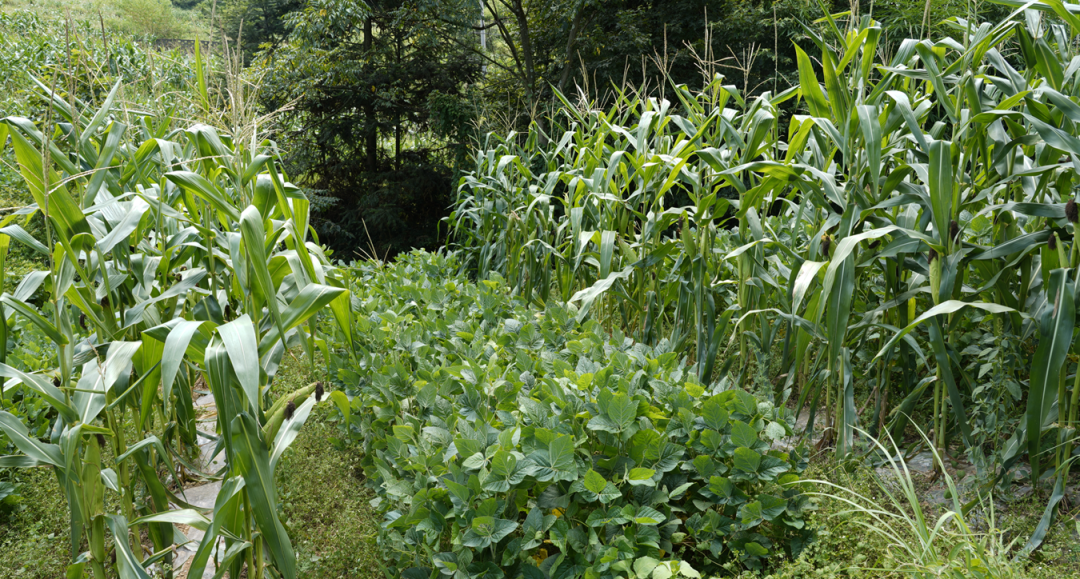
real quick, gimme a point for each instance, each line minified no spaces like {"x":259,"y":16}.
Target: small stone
{"x":922,"y":462}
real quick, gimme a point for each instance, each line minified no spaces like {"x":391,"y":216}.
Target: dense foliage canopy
{"x":375,"y":96}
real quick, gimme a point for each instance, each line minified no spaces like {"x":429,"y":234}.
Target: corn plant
{"x":176,"y":258}
{"x":592,"y":216}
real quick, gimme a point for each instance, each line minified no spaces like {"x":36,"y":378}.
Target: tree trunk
{"x":575,"y":25}
{"x":372,"y":136}
{"x":397,"y":121}
{"x":526,"y":52}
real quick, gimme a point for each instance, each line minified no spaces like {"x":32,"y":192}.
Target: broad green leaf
{"x":641,"y":476}
{"x":238,"y":337}
{"x":687,"y":571}
{"x":771,"y":507}
{"x":557,"y":462}
{"x":649,"y":516}
{"x":705,"y":466}
{"x":486,"y":531}
{"x":622,"y":410}
{"x":505,"y":472}
{"x":31,"y":447}
{"x":127,"y":565}
{"x":609,"y":494}
{"x":756,"y":549}
{"x":742,"y":434}
{"x":644,"y":566}
{"x":594,"y":481}
{"x":253,"y":463}
{"x":199,"y":185}
{"x":746,"y":460}
{"x":750,"y":515}
{"x":714,"y":414}
{"x":473,"y":462}
{"x":775,"y":431}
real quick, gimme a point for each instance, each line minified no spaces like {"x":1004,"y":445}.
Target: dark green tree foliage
{"x":927,"y":19}
{"x":376,"y":116}
{"x":751,"y":41}
{"x":186,"y":4}
{"x":255,"y":24}
{"x":645,"y":44}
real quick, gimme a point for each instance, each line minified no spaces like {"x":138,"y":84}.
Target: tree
{"x":377,"y":115}
{"x":540,"y":45}
{"x":255,"y":23}
{"x":515,"y":64}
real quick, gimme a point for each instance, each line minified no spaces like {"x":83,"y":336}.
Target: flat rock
{"x":937,"y":497}
{"x":195,"y":536}
{"x":202,"y":496}
{"x":885,"y":473}
{"x":922,"y":462}
{"x":211,"y":462}
{"x":180,"y":558}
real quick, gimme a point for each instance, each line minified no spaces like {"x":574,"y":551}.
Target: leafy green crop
{"x":505,"y":442}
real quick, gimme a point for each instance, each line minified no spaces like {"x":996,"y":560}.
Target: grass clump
{"x":324,"y":500}
{"x":883,"y":523}
{"x":34,"y":531}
